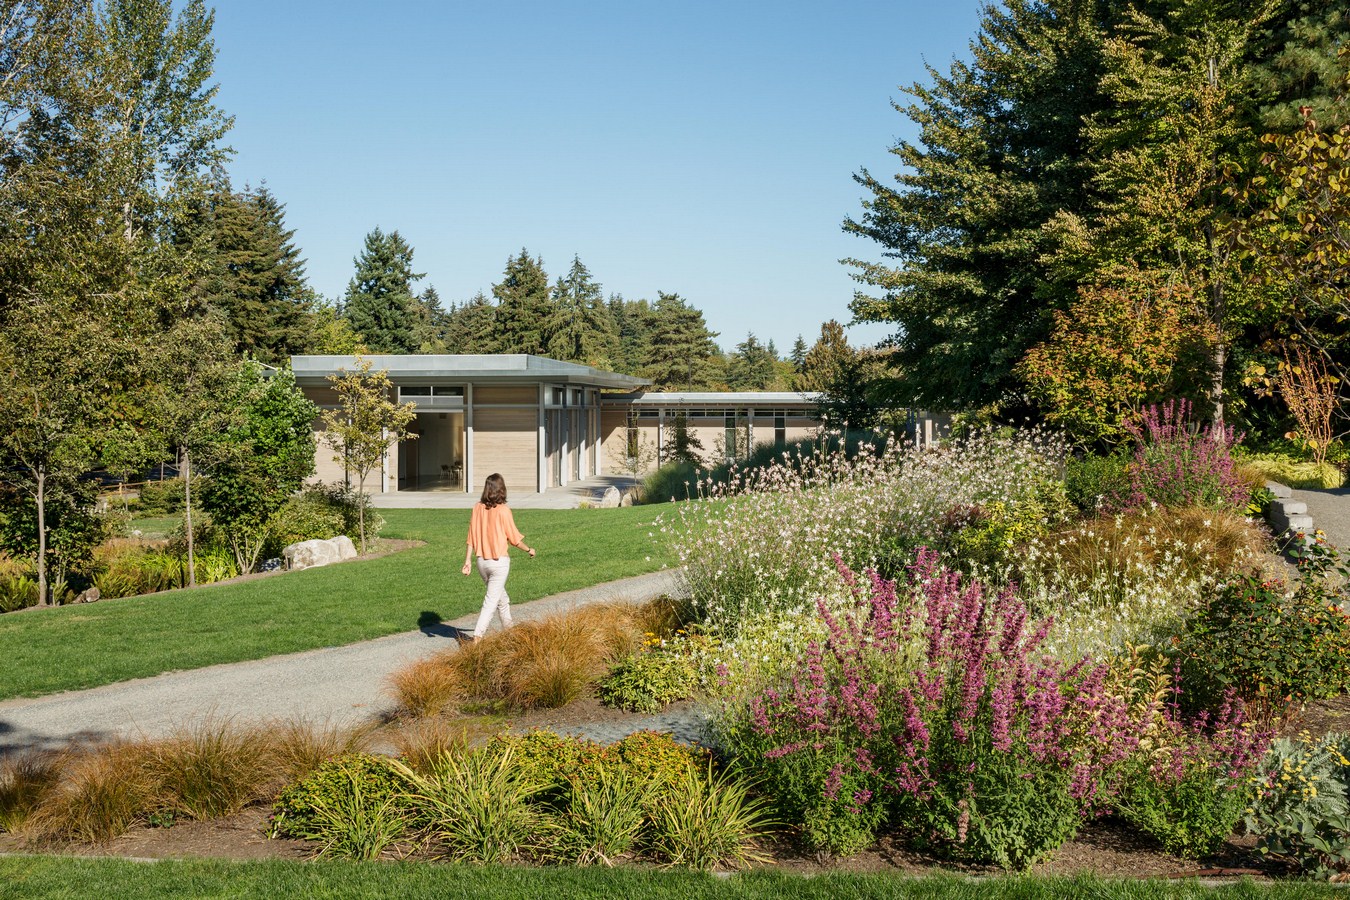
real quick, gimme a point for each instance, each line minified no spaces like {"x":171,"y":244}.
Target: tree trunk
{"x":1218,"y":315}
{"x":361,"y":509}
{"x":42,"y":536}
{"x":187,"y":518}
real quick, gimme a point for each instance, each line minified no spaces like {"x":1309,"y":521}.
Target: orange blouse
{"x":490,"y":530}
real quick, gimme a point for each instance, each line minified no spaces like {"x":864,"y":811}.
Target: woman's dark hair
{"x":494,"y":491}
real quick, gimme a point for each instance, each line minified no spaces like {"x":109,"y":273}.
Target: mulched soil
{"x":1105,"y":847}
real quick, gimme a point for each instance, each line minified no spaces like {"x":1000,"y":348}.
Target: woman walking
{"x":491,"y":528}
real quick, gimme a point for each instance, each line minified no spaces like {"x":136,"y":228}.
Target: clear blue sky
{"x":701,"y":148}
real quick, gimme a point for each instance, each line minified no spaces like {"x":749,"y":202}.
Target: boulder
{"x":610,"y":499}
{"x":308,"y":554}
{"x":89,"y":596}
{"x":346,"y":549}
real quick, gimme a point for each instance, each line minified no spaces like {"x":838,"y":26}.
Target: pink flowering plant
{"x":930,"y":708}
{"x":1178,"y":463}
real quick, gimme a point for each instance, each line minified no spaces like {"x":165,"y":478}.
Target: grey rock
{"x":611,"y":498}
{"x":89,"y":596}
{"x":346,"y":549}
{"x":1279,"y":490}
{"x":308,"y":554}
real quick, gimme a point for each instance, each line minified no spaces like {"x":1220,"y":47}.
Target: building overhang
{"x":482,"y":368}
{"x":676,"y":399}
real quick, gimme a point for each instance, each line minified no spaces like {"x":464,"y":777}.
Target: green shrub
{"x":604,"y":818}
{"x":673,"y":481}
{"x":163,"y":498}
{"x":351,"y":824}
{"x":1274,"y":647}
{"x":706,"y":821}
{"x":648,"y":681}
{"x":1301,"y":810}
{"x":332,"y":786}
{"x":1091,"y":481}
{"x":477,"y":806}
{"x":315,"y":514}
{"x":1190,"y":812}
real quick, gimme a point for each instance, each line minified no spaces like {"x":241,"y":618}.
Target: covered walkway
{"x":570,"y":496}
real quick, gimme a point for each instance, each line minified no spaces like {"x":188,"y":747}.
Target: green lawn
{"x":84,"y":646}
{"x":33,"y":878}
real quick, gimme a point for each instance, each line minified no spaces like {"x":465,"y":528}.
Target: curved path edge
{"x":333,"y":685}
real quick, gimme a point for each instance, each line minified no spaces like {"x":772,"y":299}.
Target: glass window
{"x":448,"y":391}
{"x":414,"y":391}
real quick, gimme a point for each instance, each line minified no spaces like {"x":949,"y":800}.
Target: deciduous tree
{"x":366,"y":423}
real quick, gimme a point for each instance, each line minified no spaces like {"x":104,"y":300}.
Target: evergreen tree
{"x":829,"y":358}
{"x":257,"y":278}
{"x":751,"y":367}
{"x":798,"y":355}
{"x":433,"y":322}
{"x":379,"y":305}
{"x":679,"y":351}
{"x":522,"y":306}
{"x":632,"y":322}
{"x":579,"y":327}
{"x":998,"y":156}
{"x":471,"y":327}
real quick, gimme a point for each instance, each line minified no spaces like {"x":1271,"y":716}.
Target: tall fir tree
{"x":579,"y":327}
{"x":679,"y":352}
{"x":828,"y":359}
{"x":522,"y":306}
{"x":471,"y":327}
{"x":797,"y":356}
{"x":433,"y":322}
{"x":751,"y":367}
{"x":256,"y":279}
{"x":379,"y":304}
{"x":997,"y":157}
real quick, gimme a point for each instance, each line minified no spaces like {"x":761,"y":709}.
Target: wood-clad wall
{"x":507,"y":441}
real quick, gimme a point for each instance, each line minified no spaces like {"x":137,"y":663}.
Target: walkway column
{"x":543,"y":455}
{"x":468,"y":438}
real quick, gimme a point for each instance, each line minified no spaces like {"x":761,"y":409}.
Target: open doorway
{"x":435,"y":460}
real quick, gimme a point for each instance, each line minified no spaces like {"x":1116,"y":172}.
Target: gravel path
{"x":336,"y":684}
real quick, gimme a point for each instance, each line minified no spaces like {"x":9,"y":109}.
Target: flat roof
{"x":476,"y":367}
{"x":716,"y":398}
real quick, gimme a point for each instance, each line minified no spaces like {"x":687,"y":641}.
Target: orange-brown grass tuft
{"x":25,"y":781}
{"x":102,"y":793}
{"x":300,"y":746}
{"x":545,"y":663}
{"x":212,"y":769}
{"x":427,"y":686}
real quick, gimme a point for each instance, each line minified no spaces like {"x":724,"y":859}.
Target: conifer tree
{"x":471,"y":327}
{"x":522,"y":306}
{"x":257,"y":278}
{"x":679,"y":351}
{"x":963,"y":232}
{"x":751,"y":367}
{"x":579,"y":326}
{"x":797,"y":356}
{"x":379,"y":304}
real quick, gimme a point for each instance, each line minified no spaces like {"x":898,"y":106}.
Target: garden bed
{"x":1103,"y":848}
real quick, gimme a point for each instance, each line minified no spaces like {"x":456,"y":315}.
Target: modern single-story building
{"x":540,"y":422}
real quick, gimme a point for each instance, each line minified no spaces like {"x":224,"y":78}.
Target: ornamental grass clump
{"x":1178,"y":463}
{"x":1131,"y":577}
{"x":765,"y":543}
{"x":932,"y":708}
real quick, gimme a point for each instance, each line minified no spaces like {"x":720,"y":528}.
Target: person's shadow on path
{"x":432,"y":625}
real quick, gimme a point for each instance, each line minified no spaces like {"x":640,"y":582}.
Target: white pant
{"x":494,"y":572}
